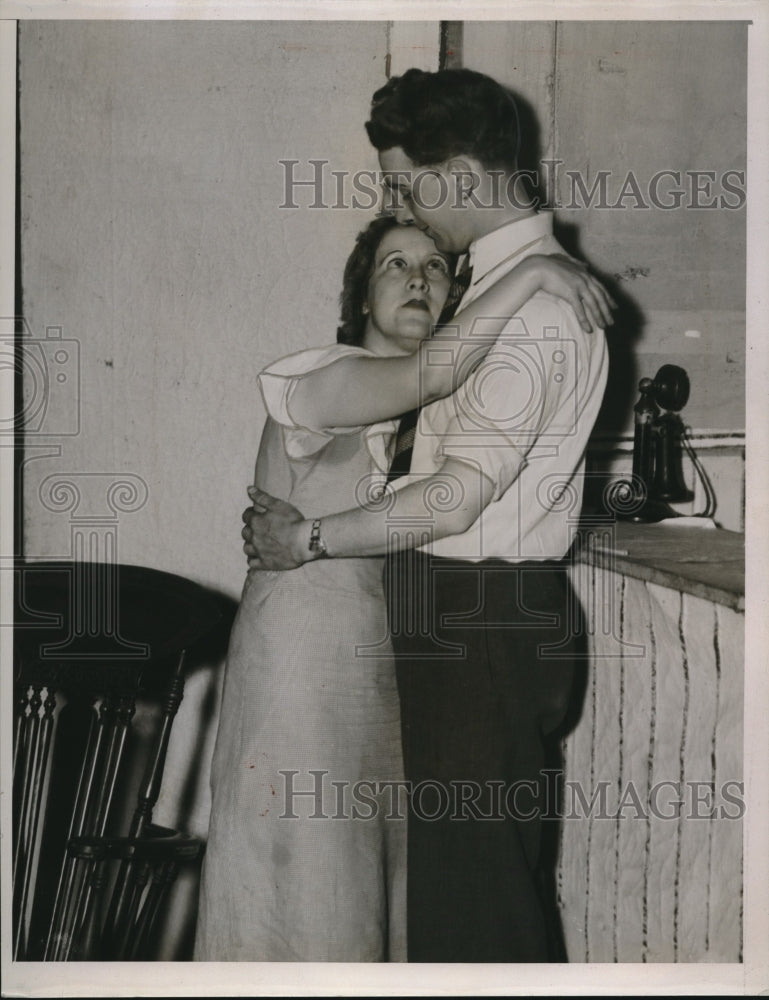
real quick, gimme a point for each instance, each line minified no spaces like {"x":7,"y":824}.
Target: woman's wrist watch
{"x":317,"y":546}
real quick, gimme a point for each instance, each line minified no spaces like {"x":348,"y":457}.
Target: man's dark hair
{"x":453,"y":112}
{"x":357,"y":274}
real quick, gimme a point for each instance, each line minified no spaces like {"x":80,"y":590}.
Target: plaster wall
{"x":162,"y":268}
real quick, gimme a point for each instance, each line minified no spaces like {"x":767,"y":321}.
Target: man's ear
{"x":467,"y":173}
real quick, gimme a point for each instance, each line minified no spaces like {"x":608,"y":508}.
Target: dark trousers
{"x":484,"y":665}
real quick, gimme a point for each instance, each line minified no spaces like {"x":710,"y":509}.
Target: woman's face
{"x":406,"y":291}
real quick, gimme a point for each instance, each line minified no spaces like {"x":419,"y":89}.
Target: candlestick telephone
{"x":659,"y":440}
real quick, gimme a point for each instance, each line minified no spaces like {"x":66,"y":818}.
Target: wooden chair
{"x":95,"y":637}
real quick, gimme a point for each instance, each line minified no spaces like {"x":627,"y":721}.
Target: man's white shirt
{"x":523,"y":417}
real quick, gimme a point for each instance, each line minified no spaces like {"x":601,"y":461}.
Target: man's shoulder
{"x":548,"y":323}
{"x":544,"y":311}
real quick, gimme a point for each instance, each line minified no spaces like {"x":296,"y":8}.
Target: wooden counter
{"x":706,"y":562}
{"x":659,"y":722}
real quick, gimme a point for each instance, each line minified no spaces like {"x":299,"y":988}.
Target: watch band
{"x":316,"y":541}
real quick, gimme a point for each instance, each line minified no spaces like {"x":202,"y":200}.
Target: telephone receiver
{"x":658,"y":442}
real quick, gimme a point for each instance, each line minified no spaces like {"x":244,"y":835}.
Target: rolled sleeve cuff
{"x":496,"y":457}
{"x":277,"y":384}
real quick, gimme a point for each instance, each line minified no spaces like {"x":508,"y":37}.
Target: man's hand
{"x":571,"y":280}
{"x":275,"y":533}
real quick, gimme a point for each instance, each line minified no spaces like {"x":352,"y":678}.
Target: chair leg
{"x":98,"y":780}
{"x":137,"y":881}
{"x":28,"y":729}
{"x":162,"y":880}
{"x":86,"y":782}
{"x":40,"y":752}
{"x":147,"y":798}
{"x":88,"y":935}
{"x":19,"y":744}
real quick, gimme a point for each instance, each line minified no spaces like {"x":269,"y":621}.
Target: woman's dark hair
{"x":452,"y":112}
{"x":357,"y":274}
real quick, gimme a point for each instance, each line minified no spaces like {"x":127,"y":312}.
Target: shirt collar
{"x":507,"y":243}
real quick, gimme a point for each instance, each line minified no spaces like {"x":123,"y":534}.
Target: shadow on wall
{"x":181,"y":914}
{"x":621,"y":390}
{"x":212,"y":650}
{"x":616,"y":413}
{"x":181,"y":907}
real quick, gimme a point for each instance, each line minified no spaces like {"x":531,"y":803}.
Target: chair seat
{"x":158,"y":843}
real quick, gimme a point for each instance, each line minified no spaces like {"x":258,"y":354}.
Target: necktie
{"x":404,"y":440}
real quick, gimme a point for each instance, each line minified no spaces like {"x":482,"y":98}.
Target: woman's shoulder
{"x":280,"y":381}
{"x":311,"y":359}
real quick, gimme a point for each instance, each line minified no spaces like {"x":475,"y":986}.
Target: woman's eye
{"x":397,"y":262}
{"x":439,"y":265}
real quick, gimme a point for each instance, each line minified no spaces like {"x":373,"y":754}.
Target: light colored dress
{"x":302,"y":861}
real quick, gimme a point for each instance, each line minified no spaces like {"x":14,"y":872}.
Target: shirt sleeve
{"x":519,"y":396}
{"x":277,"y":383}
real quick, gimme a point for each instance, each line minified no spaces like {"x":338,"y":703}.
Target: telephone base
{"x":650,"y":512}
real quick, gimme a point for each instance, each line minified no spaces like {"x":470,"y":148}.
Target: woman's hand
{"x":570,"y":279}
{"x":276,"y":535}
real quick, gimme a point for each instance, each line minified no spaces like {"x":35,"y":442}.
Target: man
{"x":475,"y":531}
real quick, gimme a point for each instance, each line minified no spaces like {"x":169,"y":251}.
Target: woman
{"x":306,"y":849}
